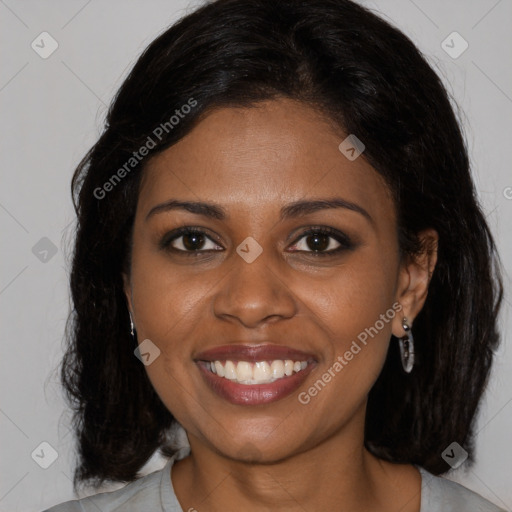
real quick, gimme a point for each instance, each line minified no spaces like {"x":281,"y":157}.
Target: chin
{"x":259,"y":449}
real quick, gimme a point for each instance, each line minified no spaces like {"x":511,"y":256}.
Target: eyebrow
{"x":292,"y":210}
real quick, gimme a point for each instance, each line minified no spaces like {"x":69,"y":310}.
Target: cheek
{"x":169,"y":305}
{"x":356,"y":293}
{"x":356,"y":308}
{"x":168,"y":299}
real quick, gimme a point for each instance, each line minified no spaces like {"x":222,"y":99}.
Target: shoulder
{"x":145,"y":493}
{"x":442,"y":495}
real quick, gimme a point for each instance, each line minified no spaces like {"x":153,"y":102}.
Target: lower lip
{"x":254,"y":394}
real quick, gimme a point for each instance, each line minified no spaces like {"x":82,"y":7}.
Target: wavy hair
{"x":368,"y":78}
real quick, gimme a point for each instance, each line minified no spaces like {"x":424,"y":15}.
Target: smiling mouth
{"x":245,"y":374}
{"x":259,"y":372}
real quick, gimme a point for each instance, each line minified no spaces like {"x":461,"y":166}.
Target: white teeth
{"x":277,"y":369}
{"x":243,"y":370}
{"x":219,"y":369}
{"x":230,"y":370}
{"x":261,"y":372}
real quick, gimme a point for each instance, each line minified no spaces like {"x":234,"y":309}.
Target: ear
{"x":414,"y":279}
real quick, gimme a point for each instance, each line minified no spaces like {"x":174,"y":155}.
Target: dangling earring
{"x":406,"y":344}
{"x":132,"y":327}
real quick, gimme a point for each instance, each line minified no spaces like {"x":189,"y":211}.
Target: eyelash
{"x":341,"y":238}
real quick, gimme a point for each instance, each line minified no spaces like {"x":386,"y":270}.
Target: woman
{"x":279,"y":249}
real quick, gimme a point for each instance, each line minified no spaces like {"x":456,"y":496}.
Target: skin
{"x":283,"y":455}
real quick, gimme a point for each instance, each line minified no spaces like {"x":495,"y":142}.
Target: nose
{"x":254,"y":293}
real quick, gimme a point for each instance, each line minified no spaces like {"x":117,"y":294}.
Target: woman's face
{"x":254,"y":287}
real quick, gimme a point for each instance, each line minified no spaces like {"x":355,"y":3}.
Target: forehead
{"x":262,"y":157}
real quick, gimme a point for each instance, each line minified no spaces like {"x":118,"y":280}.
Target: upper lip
{"x":252,"y":353}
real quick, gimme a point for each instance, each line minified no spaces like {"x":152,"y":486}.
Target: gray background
{"x":52,"y":112}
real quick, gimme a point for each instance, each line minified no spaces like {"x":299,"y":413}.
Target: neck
{"x":337,"y":474}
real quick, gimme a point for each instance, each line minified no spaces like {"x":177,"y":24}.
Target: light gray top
{"x":155,"y":493}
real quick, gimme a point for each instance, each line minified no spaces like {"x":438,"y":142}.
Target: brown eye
{"x":193,"y":241}
{"x":189,"y":240}
{"x":322,"y":241}
{"x":318,"y":242}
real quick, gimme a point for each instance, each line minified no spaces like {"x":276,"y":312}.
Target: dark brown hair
{"x":372,"y":81}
